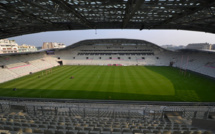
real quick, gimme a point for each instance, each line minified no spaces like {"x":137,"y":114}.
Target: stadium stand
{"x":24,"y":64}
{"x":6,"y":75}
{"x":109,"y":54}
{"x":197,"y":61}
{"x":78,"y":118}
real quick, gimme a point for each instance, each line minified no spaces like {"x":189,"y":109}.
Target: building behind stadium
{"x":10,"y":46}
{"x":50,"y":45}
{"x":199,"y":46}
{"x":27,"y":48}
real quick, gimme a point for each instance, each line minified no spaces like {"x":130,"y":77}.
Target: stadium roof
{"x":20,"y":17}
{"x":114,"y":41}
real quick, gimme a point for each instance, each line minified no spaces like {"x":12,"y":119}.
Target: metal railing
{"x":84,"y":110}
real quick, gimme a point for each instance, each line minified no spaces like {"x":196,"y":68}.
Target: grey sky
{"x":159,"y":37}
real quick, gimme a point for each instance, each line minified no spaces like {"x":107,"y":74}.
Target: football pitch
{"x":149,"y":83}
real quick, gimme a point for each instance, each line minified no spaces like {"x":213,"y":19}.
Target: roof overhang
{"x":19,"y":17}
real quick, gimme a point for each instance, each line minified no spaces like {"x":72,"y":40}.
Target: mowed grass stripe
{"x":61,"y":89}
{"x":36,"y":84}
{"x":125,"y":84}
{"x":82,"y":79}
{"x":63,"y":78}
{"x":43,"y":80}
{"x":110,"y":80}
{"x":85,"y":81}
{"x":77,"y":81}
{"x":101,"y":85}
{"x":66,"y":79}
{"x":163,"y":82}
{"x":138,"y":79}
{"x":116,"y":79}
{"x":93,"y":88}
{"x":151,"y":82}
{"x":19,"y":83}
{"x":47,"y":80}
{"x":147,"y":81}
{"x":119,"y":83}
{"x":131,"y":75}
{"x":143,"y":75}
{"x":74,"y":83}
{"x":27,"y":79}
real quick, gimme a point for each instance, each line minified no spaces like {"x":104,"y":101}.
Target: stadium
{"x":106,"y":86}
{"x":85,"y":63}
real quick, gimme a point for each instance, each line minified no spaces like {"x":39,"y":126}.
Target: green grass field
{"x":114,"y":83}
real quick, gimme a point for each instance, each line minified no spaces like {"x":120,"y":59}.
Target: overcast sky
{"x":159,"y":37}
